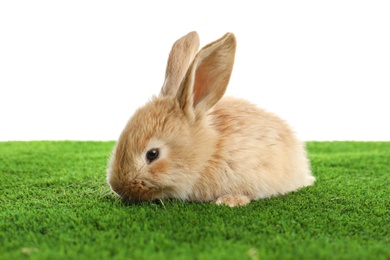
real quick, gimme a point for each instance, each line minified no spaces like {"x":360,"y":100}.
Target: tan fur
{"x":211,"y":149}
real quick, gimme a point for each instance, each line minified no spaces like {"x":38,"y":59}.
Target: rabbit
{"x":190,"y":143}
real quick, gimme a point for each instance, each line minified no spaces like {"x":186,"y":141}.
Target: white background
{"x":78,"y":69}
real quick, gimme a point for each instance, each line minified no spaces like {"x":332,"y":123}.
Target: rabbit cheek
{"x":158,"y":168}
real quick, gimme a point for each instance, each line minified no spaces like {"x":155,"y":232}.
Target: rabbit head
{"x":161,"y":150}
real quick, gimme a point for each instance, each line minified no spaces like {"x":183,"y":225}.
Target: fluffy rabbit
{"x":191,"y":144}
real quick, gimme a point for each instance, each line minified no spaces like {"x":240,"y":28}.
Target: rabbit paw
{"x":233,"y":200}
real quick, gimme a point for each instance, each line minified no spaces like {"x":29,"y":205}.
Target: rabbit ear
{"x":207,"y":77}
{"x":180,"y":58}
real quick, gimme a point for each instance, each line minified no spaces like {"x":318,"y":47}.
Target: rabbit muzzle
{"x":136,"y":191}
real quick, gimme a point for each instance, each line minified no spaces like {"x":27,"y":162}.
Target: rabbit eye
{"x":152,"y":155}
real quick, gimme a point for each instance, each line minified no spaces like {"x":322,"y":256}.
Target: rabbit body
{"x":255,"y":154}
{"x":191,"y":144}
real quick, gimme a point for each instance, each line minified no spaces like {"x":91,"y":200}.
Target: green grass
{"x":55,"y":204}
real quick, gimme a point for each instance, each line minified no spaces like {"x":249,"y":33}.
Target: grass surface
{"x":55,"y":204}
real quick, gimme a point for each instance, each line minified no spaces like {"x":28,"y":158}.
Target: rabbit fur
{"x":209,"y":147}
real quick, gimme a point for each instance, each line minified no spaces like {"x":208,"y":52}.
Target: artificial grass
{"x":55,"y":204}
